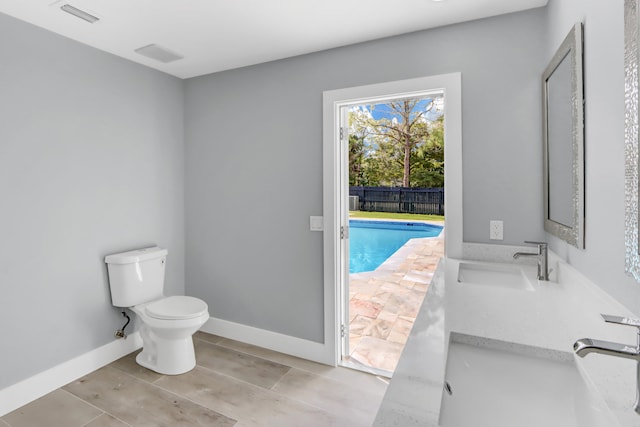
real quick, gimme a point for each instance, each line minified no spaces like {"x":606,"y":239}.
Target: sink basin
{"x":500,"y":384}
{"x":504,"y":276}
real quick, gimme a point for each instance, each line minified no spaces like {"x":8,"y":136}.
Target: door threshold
{"x":351,"y":363}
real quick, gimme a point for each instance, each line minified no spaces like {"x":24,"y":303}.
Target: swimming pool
{"x":372,"y":242}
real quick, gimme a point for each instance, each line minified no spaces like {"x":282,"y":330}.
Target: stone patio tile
{"x":378,"y":353}
{"x":397,"y":337}
{"x":400,"y":330}
{"x":388,"y":316}
{"x":358,"y":325}
{"x":407,"y":283}
{"x":419,"y":276}
{"x":421,"y":287}
{"x":381,"y":297}
{"x":384,"y":302}
{"x":364,"y":308}
{"x":393,"y":288}
{"x":365,"y":296}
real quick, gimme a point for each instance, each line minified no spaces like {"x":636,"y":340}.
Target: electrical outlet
{"x":495,"y":230}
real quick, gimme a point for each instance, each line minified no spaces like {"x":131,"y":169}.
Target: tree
{"x":402,"y":148}
{"x":427,"y":169}
{"x":356,"y":160}
{"x":357,"y":150}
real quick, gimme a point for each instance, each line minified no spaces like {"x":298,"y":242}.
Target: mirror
{"x":563,"y":137}
{"x":632,"y":257}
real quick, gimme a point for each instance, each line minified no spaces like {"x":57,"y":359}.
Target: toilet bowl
{"x":166,"y":328}
{"x":167,"y":323}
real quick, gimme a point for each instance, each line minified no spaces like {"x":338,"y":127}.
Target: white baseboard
{"x":310,"y":350}
{"x":28,"y":390}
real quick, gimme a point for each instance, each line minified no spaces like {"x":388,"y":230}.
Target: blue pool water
{"x":372,"y":242}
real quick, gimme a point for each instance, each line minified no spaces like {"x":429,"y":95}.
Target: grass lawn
{"x":388,"y":215}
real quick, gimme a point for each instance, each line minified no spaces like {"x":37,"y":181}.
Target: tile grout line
{"x":338,"y":416}
{"x":279,"y":380}
{"x":317,"y":407}
{"x":234,"y":378}
{"x":328,"y":378}
{"x":93,"y":406}
{"x":320,"y":375}
{"x":244,"y":353}
{"x":247,"y":353}
{"x":133,"y":376}
{"x":276,"y":394}
{"x":267,"y":358}
{"x":157,"y":386}
{"x":272,"y":359}
{"x":271,"y":388}
{"x":280,"y":395}
{"x":108,"y":414}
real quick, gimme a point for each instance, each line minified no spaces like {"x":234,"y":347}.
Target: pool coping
{"x":406,"y":250}
{"x":424,"y":221}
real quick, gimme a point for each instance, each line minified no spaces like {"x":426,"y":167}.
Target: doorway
{"x":336,"y":224}
{"x":393,"y":175}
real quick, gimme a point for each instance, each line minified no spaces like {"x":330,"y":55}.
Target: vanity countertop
{"x":552,"y":315}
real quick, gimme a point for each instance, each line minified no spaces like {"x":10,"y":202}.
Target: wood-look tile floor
{"x":233,"y":384}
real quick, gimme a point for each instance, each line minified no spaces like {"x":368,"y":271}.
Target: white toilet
{"x":136,"y":279}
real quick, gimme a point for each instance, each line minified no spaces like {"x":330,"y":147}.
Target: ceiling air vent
{"x":158,"y":53}
{"x":78,"y":13}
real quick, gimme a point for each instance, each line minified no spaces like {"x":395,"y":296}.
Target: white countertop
{"x":553,"y":316}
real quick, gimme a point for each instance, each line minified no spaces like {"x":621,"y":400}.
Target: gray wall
{"x":254,"y":170}
{"x":91,"y":162}
{"x":603,"y":258}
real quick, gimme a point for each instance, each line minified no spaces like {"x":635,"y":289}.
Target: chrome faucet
{"x":543,"y":269}
{"x":585,"y":346}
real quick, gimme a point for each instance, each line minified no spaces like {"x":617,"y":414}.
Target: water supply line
{"x":120,"y":332}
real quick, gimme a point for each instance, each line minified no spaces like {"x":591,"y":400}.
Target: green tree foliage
{"x":403,"y":148}
{"x":356,"y":160}
{"x":428,"y":167}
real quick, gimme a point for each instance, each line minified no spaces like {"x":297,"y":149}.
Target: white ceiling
{"x":215,"y":35}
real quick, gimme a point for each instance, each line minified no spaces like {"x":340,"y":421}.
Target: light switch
{"x":316,"y":223}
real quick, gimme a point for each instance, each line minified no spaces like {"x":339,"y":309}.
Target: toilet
{"x":167,"y":323}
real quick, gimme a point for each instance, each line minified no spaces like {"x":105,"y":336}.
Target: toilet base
{"x":168,"y":357}
{"x":167,"y":345}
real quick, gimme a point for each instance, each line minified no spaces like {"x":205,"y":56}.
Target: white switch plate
{"x":495,"y":230}
{"x":316,"y":223}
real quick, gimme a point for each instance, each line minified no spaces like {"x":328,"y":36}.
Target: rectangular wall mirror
{"x":632,"y":256}
{"x":563,"y":138}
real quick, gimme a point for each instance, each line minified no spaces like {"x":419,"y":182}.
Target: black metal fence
{"x":400,"y":199}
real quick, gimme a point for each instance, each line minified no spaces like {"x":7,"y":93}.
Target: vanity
{"x":493,"y":346}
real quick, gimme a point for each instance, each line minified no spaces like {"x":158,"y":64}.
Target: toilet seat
{"x":176,"y":308}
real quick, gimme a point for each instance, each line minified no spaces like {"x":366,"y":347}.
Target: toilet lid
{"x":177,"y":307}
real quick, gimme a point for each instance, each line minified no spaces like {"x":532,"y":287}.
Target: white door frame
{"x":342,"y":205}
{"x":450,"y":85}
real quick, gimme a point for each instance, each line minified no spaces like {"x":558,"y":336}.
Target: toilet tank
{"x":136,"y":276}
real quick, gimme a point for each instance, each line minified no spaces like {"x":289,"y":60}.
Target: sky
{"x":383,"y":110}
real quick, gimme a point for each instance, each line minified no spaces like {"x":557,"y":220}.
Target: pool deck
{"x":383,"y":304}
